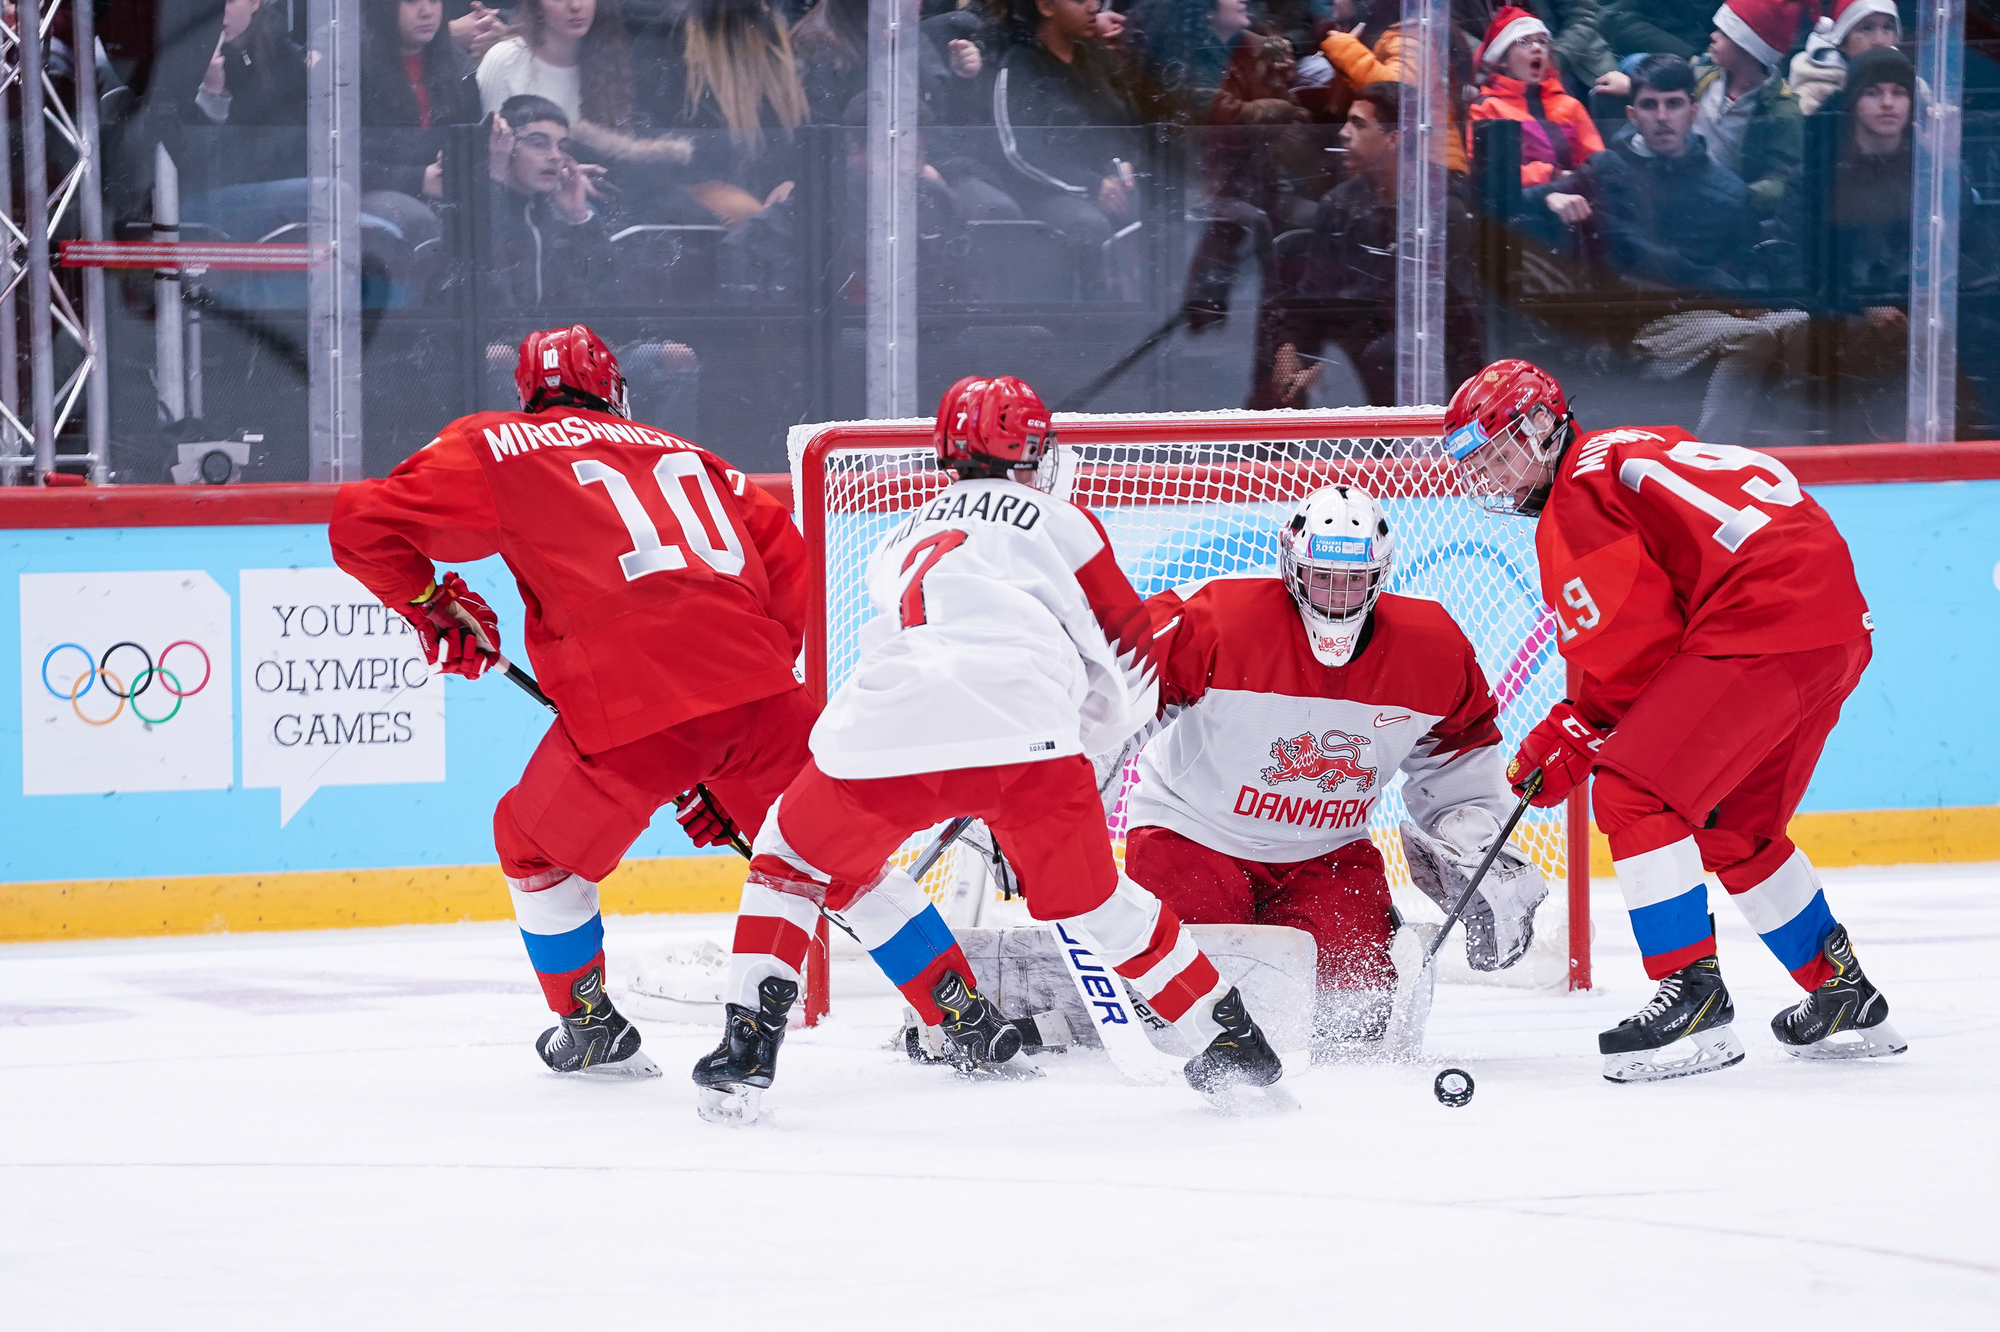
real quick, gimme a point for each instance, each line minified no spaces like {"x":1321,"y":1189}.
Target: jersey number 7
{"x":714,"y":542}
{"x":931,"y":549}
{"x":1738,"y":525}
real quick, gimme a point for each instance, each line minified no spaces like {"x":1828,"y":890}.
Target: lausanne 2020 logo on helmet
{"x":1329,"y":760}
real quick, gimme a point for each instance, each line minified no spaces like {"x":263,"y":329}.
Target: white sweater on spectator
{"x":511,"y":69}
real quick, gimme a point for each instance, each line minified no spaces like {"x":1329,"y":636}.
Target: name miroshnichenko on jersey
{"x":512,"y":438}
{"x":1014,"y":510}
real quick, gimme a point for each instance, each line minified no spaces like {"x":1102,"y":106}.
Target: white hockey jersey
{"x":1276,"y":758}
{"x":1004,"y":632}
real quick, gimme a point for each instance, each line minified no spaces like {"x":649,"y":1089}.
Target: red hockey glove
{"x":451,"y":644}
{"x":1564,"y":747}
{"x":703,"y":819}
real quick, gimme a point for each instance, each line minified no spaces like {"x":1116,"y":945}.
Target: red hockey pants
{"x":1721,"y":749}
{"x":1341,"y":899}
{"x":573,"y":815}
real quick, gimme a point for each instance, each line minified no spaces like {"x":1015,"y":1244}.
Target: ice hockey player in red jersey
{"x":1007,"y":644}
{"x":1712,"y":610}
{"x":665,"y":606}
{"x":1294,"y":700}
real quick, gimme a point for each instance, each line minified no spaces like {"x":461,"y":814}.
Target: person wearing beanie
{"x":1516,"y":68}
{"x":1743,"y":109}
{"x":1820,"y":71}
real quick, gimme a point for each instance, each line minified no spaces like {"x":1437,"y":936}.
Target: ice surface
{"x":351,"y":1129}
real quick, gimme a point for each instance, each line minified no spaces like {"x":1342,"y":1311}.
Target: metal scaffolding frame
{"x":28,"y":442}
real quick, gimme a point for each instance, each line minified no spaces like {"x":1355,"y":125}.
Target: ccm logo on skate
{"x":1254,"y":804}
{"x":1096,"y":981}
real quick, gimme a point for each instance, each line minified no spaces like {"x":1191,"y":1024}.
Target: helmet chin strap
{"x":1333,"y":642}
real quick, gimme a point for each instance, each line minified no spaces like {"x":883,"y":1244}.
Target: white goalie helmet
{"x":1335,"y":554}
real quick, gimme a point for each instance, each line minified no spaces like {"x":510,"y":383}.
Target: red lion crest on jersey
{"x":1329,"y":759}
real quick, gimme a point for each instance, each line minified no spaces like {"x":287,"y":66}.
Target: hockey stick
{"x":1119,"y":1021}
{"x":1531,"y":788}
{"x":1084,"y":396}
{"x":533,"y":690}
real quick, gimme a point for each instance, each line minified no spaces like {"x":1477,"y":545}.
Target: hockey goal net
{"x":1190,"y":496}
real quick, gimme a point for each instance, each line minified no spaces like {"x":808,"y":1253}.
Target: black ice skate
{"x":1692,"y":1004}
{"x":1846,"y":1018}
{"x":1239,"y":1056}
{"x":596,"y":1039}
{"x":734,"y":1076}
{"x":972,"y":1025}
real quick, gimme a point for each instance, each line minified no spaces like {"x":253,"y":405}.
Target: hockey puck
{"x":1453,"y":1087}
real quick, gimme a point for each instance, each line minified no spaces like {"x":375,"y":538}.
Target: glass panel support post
{"x":1934,"y":197}
{"x":90,"y":201}
{"x":1420,"y":225}
{"x":892,"y":207}
{"x":35,"y":191}
{"x":333,"y":229}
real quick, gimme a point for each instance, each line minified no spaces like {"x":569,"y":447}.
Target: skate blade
{"x":634,"y":1065}
{"x":1867,"y":1043}
{"x":1713,"y":1050}
{"x":1014,"y":1070}
{"x":737,"y":1107}
{"x":1245,"y":1101}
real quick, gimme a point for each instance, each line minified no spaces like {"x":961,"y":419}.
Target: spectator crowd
{"x":1662,"y":150}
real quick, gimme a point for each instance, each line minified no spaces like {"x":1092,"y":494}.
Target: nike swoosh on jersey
{"x":1381,"y":721}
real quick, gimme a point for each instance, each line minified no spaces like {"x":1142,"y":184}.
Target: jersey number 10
{"x":714,"y":542}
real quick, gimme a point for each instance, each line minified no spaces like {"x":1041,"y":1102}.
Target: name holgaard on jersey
{"x":994,"y":507}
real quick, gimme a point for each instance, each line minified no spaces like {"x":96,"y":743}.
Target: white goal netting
{"x":1191,"y":496}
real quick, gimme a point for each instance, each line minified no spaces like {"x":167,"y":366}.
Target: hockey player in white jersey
{"x":1293,"y":702}
{"x":1007,"y":644}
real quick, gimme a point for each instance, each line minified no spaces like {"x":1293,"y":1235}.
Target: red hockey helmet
{"x":1507,"y":428}
{"x":992,"y":425}
{"x":569,"y":366}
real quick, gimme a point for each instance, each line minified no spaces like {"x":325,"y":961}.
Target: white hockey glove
{"x":1500,"y":918}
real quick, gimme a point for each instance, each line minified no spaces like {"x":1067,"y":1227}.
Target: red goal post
{"x":1188,"y":496}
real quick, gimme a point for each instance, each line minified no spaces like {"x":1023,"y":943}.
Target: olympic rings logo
{"x":96,"y":669}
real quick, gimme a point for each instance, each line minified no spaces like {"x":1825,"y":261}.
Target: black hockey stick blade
{"x":1531,"y":788}
{"x":1086,"y":395}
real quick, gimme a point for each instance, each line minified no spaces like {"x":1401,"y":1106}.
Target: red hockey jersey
{"x":1654,"y":543}
{"x":1276,"y":758}
{"x":660,"y":583}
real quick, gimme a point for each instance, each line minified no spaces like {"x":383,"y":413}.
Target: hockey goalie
{"x":1291,"y":702}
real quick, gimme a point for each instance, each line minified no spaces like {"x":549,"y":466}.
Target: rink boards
{"x":289,"y":764}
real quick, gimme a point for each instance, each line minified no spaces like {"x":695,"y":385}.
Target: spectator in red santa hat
{"x":1517,"y":71}
{"x":1819,"y":72}
{"x":1744,"y":111}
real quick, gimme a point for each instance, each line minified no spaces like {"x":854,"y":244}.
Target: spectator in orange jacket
{"x":1517,"y":67}
{"x":1361,"y":65}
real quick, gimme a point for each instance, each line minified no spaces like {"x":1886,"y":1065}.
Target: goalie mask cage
{"x":1190,"y":496}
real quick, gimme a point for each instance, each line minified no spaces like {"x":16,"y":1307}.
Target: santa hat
{"x":1849,"y":13}
{"x":1510,"y":24}
{"x":1763,"y":28}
